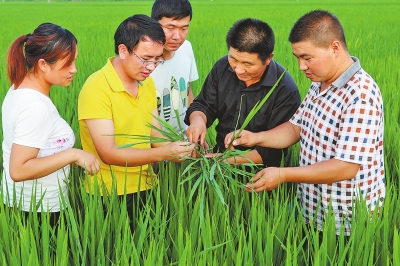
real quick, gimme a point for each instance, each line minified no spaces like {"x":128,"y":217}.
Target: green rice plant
{"x":257,"y":229}
{"x":202,"y":169}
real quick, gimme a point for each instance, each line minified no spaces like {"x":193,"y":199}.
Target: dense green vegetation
{"x":261,"y":229}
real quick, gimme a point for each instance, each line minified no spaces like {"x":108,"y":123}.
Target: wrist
{"x":73,"y":155}
{"x":258,"y":139}
{"x":197,"y":117}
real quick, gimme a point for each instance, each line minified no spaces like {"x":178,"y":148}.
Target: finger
{"x":248,"y":187}
{"x":190,"y":135}
{"x":255,"y":178}
{"x":254,"y":187}
{"x":188,"y":148}
{"x":228,"y":140}
{"x":236,"y":142}
{"x":260,"y":185}
{"x":262,"y":188}
{"x":206,"y":146}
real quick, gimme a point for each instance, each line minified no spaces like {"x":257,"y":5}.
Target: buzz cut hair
{"x":252,"y":36}
{"x":320,"y":27}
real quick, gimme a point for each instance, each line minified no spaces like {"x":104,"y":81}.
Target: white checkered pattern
{"x":344,"y":122}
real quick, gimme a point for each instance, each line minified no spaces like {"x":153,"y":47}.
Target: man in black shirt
{"x":236,"y":83}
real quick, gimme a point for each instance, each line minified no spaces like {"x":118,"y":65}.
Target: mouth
{"x":308,"y":75}
{"x":174,"y":44}
{"x":241,"y":77}
{"x":145,"y":75}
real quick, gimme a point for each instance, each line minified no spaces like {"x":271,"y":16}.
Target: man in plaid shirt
{"x":339,"y":125}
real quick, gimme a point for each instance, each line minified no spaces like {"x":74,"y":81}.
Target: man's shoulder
{"x":278,"y":69}
{"x":222,"y":61}
{"x":102,"y":78}
{"x":186,"y":43}
{"x":185,"y":49}
{"x":221,"y":66}
{"x":94,"y":79}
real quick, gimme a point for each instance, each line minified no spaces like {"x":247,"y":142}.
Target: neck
{"x":35,"y":82}
{"x":130,"y":84}
{"x":168,"y":54}
{"x":342,"y":66}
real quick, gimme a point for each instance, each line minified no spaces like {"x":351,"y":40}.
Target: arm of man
{"x":102,"y":131}
{"x":197,"y":130}
{"x":156,"y":133}
{"x":253,"y":156}
{"x":279,"y":137}
{"x":190,"y":94}
{"x":326,"y":172}
{"x":202,"y":110}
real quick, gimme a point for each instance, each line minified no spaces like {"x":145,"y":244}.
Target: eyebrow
{"x":301,"y":55}
{"x":173,"y":25}
{"x":245,"y":62}
{"x":151,"y":56}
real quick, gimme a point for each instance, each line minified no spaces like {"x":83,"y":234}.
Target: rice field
{"x":262,"y":229}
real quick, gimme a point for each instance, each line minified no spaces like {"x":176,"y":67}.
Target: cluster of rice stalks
{"x":205,"y":169}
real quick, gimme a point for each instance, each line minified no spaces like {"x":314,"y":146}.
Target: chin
{"x":173,"y":49}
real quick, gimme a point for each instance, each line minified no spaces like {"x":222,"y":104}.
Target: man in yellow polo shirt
{"x":120,"y":98}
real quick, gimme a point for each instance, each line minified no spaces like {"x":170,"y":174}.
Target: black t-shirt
{"x":226,"y":98}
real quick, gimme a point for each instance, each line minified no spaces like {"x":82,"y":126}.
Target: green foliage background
{"x":248,"y":232}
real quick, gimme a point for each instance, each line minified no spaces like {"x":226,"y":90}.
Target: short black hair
{"x":319,"y":27}
{"x":175,"y":9}
{"x":136,"y":28}
{"x":253,"y":36}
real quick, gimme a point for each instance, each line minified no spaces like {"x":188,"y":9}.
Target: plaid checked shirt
{"x":344,"y":122}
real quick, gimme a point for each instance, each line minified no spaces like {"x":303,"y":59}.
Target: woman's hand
{"x":87,"y":161}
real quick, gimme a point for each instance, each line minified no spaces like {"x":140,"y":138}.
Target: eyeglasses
{"x":147,"y":63}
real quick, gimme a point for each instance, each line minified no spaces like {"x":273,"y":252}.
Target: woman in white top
{"x":37,"y":145}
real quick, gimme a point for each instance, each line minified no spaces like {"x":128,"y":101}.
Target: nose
{"x":176,"y":35}
{"x":73,"y":69}
{"x":151,"y":66}
{"x":239,"y":69}
{"x":302,"y":65}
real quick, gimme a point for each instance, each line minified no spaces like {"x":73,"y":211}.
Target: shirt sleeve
{"x":194,"y":75}
{"x":94,"y":102}
{"x":206,"y":101}
{"x":297,"y":116}
{"x":152,"y":91}
{"x":33,"y":126}
{"x":361,"y":121}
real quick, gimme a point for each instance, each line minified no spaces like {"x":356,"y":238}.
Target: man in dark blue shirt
{"x":236,"y":83}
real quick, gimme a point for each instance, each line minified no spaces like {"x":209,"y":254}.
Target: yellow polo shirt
{"x":103,"y":96}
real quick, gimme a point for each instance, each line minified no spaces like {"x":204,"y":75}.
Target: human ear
{"x":42,"y":65}
{"x":336,"y":47}
{"x":122,"y":51}
{"x":269,"y":58}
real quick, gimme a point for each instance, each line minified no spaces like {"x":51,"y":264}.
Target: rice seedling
{"x":249,"y":229}
{"x":202,"y":169}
